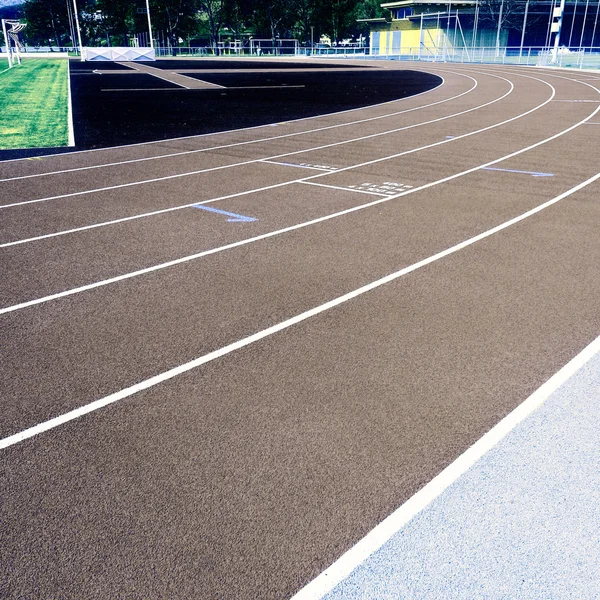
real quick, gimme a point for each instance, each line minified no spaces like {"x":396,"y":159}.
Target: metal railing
{"x":580,"y":58}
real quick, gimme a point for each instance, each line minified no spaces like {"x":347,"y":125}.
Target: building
{"x":432,"y":29}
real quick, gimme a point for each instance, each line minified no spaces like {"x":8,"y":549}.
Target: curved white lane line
{"x":182,"y":260}
{"x":343,"y":566}
{"x":246,"y":162}
{"x":256,"y":141}
{"x":202,"y":135}
{"x":179,"y":207}
{"x":392,"y":524}
{"x":262,"y":189}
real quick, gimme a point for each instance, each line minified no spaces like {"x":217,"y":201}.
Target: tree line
{"x":115,"y":22}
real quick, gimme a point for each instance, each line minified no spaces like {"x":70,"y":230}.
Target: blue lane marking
{"x":534,"y":173}
{"x":235,"y":219}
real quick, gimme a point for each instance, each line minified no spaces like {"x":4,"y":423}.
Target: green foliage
{"x":114,"y":22}
{"x":34,"y":104}
{"x":47,"y":23}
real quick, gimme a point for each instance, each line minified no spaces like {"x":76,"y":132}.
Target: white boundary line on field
{"x":71,"y":139}
{"x":370,"y":546}
{"x":377,"y":537}
{"x":161,"y":266}
{"x":247,"y":142}
{"x":202,"y":135}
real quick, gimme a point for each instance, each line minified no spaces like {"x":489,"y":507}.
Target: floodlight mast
{"x":149,"y":23}
{"x":78,"y":30}
{"x":557,"y":38}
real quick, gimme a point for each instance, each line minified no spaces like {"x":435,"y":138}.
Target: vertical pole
{"x":524,"y":27}
{"x":572,"y":23}
{"x":498,"y":30}
{"x":7,"y":42}
{"x":595,"y":25}
{"x":549,"y":32}
{"x":420,"y":35}
{"x":437,"y":35}
{"x":447,"y":36}
{"x":557,"y":38}
{"x":587,"y":5}
{"x":78,"y":30}
{"x":475,"y":24}
{"x":455,"y":27}
{"x":149,"y":24}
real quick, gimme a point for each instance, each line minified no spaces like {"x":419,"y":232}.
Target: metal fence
{"x":581,"y":58}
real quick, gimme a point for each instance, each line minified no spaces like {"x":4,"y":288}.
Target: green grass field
{"x":34,"y":104}
{"x":3,"y":64}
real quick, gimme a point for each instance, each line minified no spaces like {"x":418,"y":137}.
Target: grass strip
{"x":34,"y":104}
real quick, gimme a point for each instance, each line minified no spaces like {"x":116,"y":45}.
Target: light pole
{"x":498,"y":31}
{"x":78,"y":30}
{"x":149,"y":23}
{"x":557,"y":38}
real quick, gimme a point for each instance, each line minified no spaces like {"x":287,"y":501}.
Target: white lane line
{"x":163,"y":89}
{"x":302,"y":180}
{"x":593,"y":101}
{"x":178,"y":261}
{"x":338,"y":187}
{"x":286,"y":164}
{"x":377,"y":537}
{"x":71,"y":139}
{"x":243,"y":129}
{"x":255,"y":160}
{"x":174,"y":372}
{"x":232,"y":145}
{"x":207,"y":83}
{"x":153,"y":74}
{"x":264,"y":87}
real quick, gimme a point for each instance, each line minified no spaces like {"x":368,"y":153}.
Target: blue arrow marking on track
{"x":235,"y":219}
{"x":534,"y":173}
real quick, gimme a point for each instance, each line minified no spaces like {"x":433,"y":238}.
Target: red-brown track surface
{"x":248,"y":475}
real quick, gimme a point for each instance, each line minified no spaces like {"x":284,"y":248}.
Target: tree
{"x":47,"y":22}
{"x":177,"y":18}
{"x":212,"y":12}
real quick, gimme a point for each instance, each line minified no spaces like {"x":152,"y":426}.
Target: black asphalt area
{"x":215,"y":464}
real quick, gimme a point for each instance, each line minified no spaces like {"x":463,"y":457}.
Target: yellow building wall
{"x":411,"y":39}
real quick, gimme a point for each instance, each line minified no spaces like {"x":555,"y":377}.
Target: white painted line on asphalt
{"x":594,"y":101}
{"x":269,"y":234}
{"x":378,"y":538}
{"x":163,"y":89}
{"x":268,"y":139}
{"x":151,"y":72}
{"x":203,"y":135}
{"x":266,"y":235}
{"x":285,"y":164}
{"x":392,"y":524}
{"x":252,"y":161}
{"x":337,"y":187}
{"x":180,"y":207}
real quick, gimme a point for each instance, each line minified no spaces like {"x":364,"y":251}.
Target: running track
{"x":194,"y":407}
